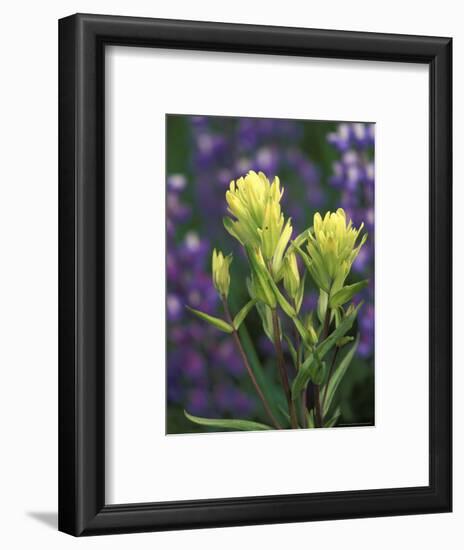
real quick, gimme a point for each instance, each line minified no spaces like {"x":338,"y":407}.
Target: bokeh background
{"x":322,"y":166}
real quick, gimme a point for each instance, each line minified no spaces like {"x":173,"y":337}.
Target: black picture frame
{"x":82,"y":508}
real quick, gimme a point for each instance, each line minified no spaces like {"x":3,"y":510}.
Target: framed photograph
{"x":255,"y":274}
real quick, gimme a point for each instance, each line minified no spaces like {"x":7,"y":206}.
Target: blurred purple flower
{"x":196,"y":352}
{"x":352,"y":134}
{"x":354,"y":175}
{"x":224,"y":148}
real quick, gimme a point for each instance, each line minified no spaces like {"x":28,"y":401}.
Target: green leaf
{"x":302,"y":377}
{"x":265,"y":313}
{"x":338,"y":375}
{"x":346,"y":293}
{"x":343,"y":341}
{"x":230,"y":227}
{"x":304,"y":374}
{"x":322,"y":303}
{"x":339,"y":332}
{"x":240,"y":317}
{"x":337,"y":315}
{"x":284,"y":412}
{"x":215,"y":321}
{"x":306,"y":259}
{"x":310,"y":419}
{"x":292,"y":350}
{"x":301,"y":238}
{"x":333,"y":420}
{"x":283,"y":303}
{"x":311,"y":268}
{"x":270,"y":387}
{"x":251,"y":290}
{"x":303,"y":332}
{"x":260,"y":279}
{"x":300,"y":293}
{"x":317,"y":369}
{"x":231,"y":424}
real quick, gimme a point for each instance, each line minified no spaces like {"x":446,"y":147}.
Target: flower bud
{"x":291,"y":275}
{"x":221,"y":276}
{"x":310,"y":328}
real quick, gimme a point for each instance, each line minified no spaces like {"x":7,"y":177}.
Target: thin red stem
{"x":248,"y":368}
{"x":282,"y":371}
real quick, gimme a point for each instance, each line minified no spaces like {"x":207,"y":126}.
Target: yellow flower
{"x":221,"y":276}
{"x":259,"y":223}
{"x":332,"y":249}
{"x":291,"y":275}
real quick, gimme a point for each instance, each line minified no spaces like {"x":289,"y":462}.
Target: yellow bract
{"x":259,"y":223}
{"x":332,"y":249}
{"x":221,"y":276}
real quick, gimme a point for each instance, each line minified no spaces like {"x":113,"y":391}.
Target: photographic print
{"x":270,"y":274}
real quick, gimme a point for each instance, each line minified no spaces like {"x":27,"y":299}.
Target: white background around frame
{"x":28,"y":278}
{"x":143,"y":464}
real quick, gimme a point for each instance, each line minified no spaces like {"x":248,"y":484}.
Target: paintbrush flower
{"x":332,"y":247}
{"x":254,"y":202}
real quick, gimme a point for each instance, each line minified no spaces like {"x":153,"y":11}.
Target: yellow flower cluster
{"x":259,"y":223}
{"x":332,"y":249}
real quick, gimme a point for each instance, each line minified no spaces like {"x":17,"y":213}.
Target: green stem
{"x":317,"y":400}
{"x":282,"y":371}
{"x":303,"y":402}
{"x":317,"y":394}
{"x":248,"y":368}
{"x":325,"y":330}
{"x":304,"y":408}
